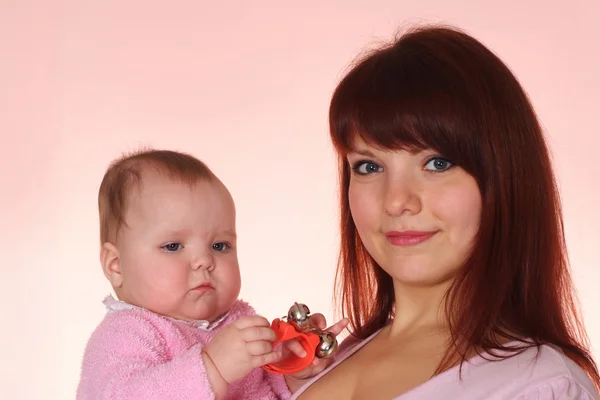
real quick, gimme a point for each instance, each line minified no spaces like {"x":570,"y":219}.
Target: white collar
{"x":113,"y":305}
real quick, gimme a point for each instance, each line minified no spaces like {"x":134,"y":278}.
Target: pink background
{"x":245,"y":86}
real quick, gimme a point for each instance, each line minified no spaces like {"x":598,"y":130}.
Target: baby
{"x":178,"y":330}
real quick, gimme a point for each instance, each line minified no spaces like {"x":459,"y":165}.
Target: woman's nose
{"x":402,"y":195}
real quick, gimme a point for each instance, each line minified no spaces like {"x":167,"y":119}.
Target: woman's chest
{"x":374,"y":373}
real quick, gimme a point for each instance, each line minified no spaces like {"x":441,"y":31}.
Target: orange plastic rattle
{"x":315,"y":342}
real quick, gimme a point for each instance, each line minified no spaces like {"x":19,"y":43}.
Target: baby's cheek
{"x":230,"y":279}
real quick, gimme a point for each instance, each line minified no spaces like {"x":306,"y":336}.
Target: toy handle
{"x":292,"y":363}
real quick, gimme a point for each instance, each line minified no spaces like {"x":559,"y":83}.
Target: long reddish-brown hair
{"x":439,"y":88}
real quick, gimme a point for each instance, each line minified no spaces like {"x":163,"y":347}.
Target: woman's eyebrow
{"x":362,"y":152}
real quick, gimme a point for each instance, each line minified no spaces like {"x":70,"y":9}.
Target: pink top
{"x":522,"y":377}
{"x":136,"y":354}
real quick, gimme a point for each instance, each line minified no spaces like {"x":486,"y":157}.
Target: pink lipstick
{"x":408,"y":238}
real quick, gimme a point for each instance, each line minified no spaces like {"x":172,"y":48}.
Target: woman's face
{"x":416,"y":213}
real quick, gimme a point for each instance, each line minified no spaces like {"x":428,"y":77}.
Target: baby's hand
{"x":239,"y":348}
{"x":294,"y":381}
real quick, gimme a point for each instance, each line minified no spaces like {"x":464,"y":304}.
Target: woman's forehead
{"x":363,"y":144}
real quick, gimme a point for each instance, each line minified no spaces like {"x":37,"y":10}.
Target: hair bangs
{"x":398,"y":103}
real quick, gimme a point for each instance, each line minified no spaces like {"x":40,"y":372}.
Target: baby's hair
{"x":125,"y":175}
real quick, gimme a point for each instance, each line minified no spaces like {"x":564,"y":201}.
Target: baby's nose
{"x":204,"y":261}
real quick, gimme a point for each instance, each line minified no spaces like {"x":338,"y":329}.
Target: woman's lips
{"x":408,"y":238}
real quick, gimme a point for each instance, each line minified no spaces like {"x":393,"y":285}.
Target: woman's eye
{"x":366,"y":167}
{"x":438,"y":164}
{"x":172,"y":246}
{"x":220,"y":246}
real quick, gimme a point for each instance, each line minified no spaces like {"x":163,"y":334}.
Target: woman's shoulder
{"x":546,"y":371}
{"x":539,"y":372}
{"x":536,"y":373}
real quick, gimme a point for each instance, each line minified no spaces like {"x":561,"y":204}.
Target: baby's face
{"x":178,"y":252}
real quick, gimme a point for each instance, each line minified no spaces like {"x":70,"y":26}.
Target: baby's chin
{"x":204,"y":312}
{"x":205,"y":307}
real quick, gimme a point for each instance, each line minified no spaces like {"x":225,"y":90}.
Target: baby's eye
{"x":438,"y":164}
{"x":366,"y":167}
{"x":172,"y":247}
{"x":220,"y":246}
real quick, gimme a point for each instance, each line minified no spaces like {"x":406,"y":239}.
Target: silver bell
{"x":327,"y":345}
{"x":298,"y":316}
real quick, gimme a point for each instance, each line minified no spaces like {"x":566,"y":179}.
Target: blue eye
{"x":366,"y":167}
{"x":171,"y":247}
{"x":438,"y":164}
{"x":220,"y":246}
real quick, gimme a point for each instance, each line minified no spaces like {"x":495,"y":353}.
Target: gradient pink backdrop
{"x":245,"y":86}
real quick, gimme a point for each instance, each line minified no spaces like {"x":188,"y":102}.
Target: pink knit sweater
{"x":136,"y":354}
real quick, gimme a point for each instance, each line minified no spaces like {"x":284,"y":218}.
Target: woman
{"x":453,"y":269}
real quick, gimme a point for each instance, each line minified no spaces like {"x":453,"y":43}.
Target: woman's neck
{"x":419,"y":308}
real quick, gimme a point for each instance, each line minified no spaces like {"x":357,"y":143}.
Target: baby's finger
{"x":260,"y":360}
{"x":295,"y":347}
{"x":258,"y":348}
{"x":253,"y":333}
{"x":251,"y":320}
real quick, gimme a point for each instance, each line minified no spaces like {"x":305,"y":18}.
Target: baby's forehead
{"x":166,"y":193}
{"x":160,"y":197}
{"x":157,"y":181}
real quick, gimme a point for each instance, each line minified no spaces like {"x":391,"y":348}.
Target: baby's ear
{"x":111,"y":264}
